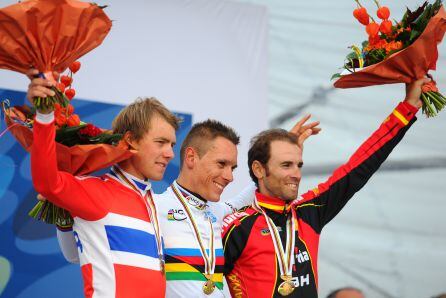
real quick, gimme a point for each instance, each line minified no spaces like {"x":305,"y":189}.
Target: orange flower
{"x":393,"y":46}
{"x":57,"y":107}
{"x":383,"y":13}
{"x":70,"y":109}
{"x":431,"y":86}
{"x":73,"y":120}
{"x":372,"y":29}
{"x":61,"y":119}
{"x":361,"y":15}
{"x":386,"y":27}
{"x":375,"y":42}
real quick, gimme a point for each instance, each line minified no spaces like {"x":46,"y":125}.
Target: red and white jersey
{"x":115,"y":238}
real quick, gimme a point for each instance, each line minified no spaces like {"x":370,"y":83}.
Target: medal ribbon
{"x":209,"y":259}
{"x":151,"y":208}
{"x":284,"y":258}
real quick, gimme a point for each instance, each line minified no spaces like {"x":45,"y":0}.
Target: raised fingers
{"x":299,"y":124}
{"x":303,"y":136}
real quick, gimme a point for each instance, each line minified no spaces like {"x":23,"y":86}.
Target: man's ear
{"x":190,"y":157}
{"x":132,"y":144}
{"x":258,"y":169}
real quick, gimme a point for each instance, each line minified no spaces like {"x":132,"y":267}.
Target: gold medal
{"x":286,"y":287}
{"x":208,"y":257}
{"x":209,"y":285}
{"x":285,"y":258}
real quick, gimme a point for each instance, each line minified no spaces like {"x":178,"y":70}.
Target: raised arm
{"x":323,"y":203}
{"x":77,"y":195}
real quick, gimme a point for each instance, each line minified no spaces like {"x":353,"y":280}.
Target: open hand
{"x":304,"y":131}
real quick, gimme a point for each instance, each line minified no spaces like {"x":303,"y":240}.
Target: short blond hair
{"x":137,"y":116}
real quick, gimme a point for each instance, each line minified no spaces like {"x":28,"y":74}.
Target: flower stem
{"x":429,"y":111}
{"x":377,"y":3}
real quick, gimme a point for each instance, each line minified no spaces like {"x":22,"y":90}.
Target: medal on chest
{"x":209,"y":285}
{"x":287,"y":286}
{"x":207,"y":254}
{"x":285,"y":258}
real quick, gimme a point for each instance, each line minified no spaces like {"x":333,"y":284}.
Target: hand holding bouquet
{"x":397,"y":52}
{"x":50,"y":35}
{"x":81,"y":147}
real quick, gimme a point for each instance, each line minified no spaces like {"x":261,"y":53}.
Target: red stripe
{"x":87,"y":276}
{"x":199,"y":260}
{"x":139,"y":282}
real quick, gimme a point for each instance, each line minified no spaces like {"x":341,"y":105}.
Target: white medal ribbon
{"x":284,"y":258}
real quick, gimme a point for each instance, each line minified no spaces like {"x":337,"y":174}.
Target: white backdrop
{"x":210,"y":58}
{"x":203,"y":57}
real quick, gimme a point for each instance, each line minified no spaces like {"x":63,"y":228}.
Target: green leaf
{"x":365,"y":43}
{"x":351,"y":56}
{"x":335,"y":76}
{"x":414,"y":34}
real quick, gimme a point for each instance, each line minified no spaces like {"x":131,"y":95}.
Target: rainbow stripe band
{"x":183,"y":271}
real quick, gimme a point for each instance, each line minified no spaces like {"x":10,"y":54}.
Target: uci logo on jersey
{"x":197,"y":203}
{"x":176,"y":214}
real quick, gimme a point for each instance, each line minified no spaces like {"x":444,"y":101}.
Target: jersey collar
{"x":192,"y":198}
{"x":272,"y":203}
{"x":142,"y":185}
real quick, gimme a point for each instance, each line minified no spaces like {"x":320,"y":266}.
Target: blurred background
{"x":253,"y":65}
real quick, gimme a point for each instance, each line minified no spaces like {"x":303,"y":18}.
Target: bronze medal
{"x":209,"y":286}
{"x":286,"y":287}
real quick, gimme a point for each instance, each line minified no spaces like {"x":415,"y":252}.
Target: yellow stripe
{"x":183,"y":267}
{"x":180,"y":267}
{"x":308,"y":205}
{"x":270,"y":206}
{"x":400,"y":117}
{"x":217,"y":277}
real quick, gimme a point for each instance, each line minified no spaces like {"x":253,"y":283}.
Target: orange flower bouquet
{"x":51,"y":35}
{"x":397,"y":52}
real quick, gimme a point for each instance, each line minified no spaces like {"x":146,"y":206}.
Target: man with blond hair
{"x":115,"y":224}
